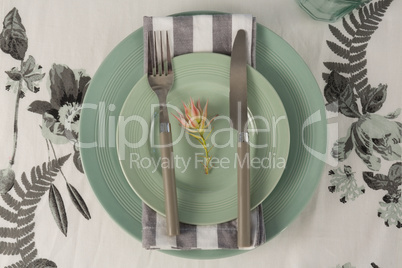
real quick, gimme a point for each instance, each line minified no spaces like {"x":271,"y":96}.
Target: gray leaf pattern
{"x":21,"y":212}
{"x":371,"y":134}
{"x":353,"y":44}
{"x":78,"y":201}
{"x":373,"y":137}
{"x":7,"y":179}
{"x":68,"y":88}
{"x":13,"y":38}
{"x":57,"y":208}
{"x":16,"y":45}
{"x":42,"y":263}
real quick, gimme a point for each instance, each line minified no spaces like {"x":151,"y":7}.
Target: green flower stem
{"x":17,"y":105}
{"x":48,"y":148}
{"x":55,"y":157}
{"x":207,"y":156}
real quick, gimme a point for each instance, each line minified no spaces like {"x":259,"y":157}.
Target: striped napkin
{"x":200,"y":33}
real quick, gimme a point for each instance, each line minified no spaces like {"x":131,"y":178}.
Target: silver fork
{"x":161,"y":78}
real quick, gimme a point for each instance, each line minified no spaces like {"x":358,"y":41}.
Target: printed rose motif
{"x":349,"y":93}
{"x":67,"y":91}
{"x":371,"y":134}
{"x":61,"y":115}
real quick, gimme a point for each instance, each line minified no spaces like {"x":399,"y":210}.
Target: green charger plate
{"x":278,"y":62}
{"x":212,"y":198}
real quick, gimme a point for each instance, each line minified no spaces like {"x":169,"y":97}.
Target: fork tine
{"x":154,"y":54}
{"x":150,"y":53}
{"x":156,"y":58}
{"x":162,"y":61}
{"x":169,"y":58}
{"x":157,"y":64}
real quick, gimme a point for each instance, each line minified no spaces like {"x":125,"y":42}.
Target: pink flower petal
{"x":199,"y":105}
{"x":204,"y":115}
{"x":194,"y":111}
{"x":210,"y":121}
{"x":181,"y":120}
{"x":193,"y":123}
{"x":186,"y":110}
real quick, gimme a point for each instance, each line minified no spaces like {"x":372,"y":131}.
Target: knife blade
{"x":238,"y":117}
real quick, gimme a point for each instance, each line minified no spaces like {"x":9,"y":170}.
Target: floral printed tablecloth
{"x":49,"y":215}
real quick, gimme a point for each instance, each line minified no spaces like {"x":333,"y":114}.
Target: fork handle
{"x":169,"y":184}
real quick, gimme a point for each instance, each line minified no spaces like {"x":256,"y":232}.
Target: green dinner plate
{"x":278,"y":62}
{"x":202,"y":198}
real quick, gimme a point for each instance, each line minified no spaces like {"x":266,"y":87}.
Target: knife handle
{"x":169,"y":183}
{"x":243,"y":194}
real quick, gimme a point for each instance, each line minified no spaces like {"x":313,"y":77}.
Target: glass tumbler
{"x":329,"y":10}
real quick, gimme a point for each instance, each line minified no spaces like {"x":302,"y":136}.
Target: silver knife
{"x":238,"y":116}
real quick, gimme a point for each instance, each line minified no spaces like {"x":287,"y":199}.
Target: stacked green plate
{"x":203,"y":198}
{"x":277,"y":62}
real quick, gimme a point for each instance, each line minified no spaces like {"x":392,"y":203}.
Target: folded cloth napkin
{"x":200,"y":33}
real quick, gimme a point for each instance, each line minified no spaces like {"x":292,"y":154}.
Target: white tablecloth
{"x":357,"y":226}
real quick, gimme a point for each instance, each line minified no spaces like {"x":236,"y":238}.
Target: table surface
{"x":355,"y":214}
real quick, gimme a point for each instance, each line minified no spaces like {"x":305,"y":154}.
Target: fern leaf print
{"x":59,"y":124}
{"x":21,"y":211}
{"x":373,"y":137}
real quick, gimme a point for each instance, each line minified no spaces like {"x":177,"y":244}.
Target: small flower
{"x":391,"y":210}
{"x":343,"y":181}
{"x":391,"y":204}
{"x":27,"y":78}
{"x":195,"y":118}
{"x":61,"y":115}
{"x":195,"y":121}
{"x":371,"y":134}
{"x":392,"y":198}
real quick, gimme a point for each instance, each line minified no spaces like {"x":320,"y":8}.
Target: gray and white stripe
{"x":204,"y":33}
{"x":219,"y":236}
{"x":200,"y":33}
